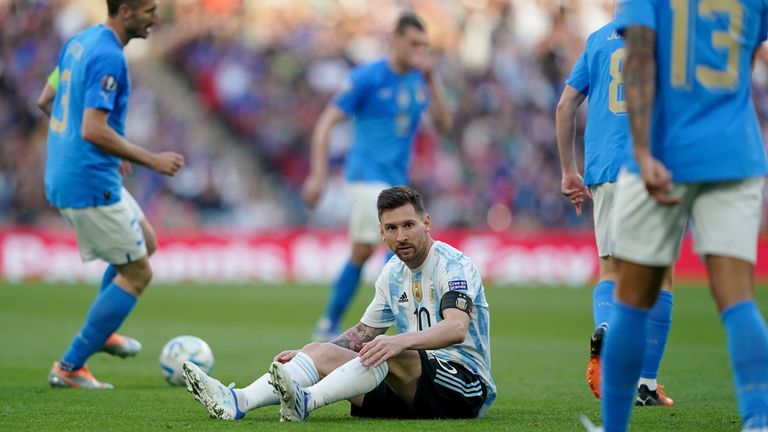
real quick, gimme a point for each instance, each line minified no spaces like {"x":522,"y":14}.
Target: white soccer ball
{"x":181,"y":349}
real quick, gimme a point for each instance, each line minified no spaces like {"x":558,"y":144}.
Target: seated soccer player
{"x":438,"y":366}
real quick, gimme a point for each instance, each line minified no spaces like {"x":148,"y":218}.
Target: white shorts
{"x":602,"y":210}
{"x":111,"y":233}
{"x":725,"y":217}
{"x":364,"y":220}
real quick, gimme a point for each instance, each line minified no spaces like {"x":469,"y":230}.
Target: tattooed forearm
{"x":354,"y":338}
{"x":639,"y":75}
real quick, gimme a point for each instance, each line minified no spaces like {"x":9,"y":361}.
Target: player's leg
{"x":650,"y":393}
{"x":113,"y":234}
{"x":116,"y":344}
{"x":230,"y":403}
{"x":349,"y":380}
{"x":726,"y":220}
{"x":647,"y":241}
{"x":365,"y":236}
{"x":603,"y":292}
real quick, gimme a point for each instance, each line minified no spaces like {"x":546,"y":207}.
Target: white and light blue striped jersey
{"x":409,"y":299}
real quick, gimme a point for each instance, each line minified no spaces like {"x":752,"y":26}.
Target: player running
{"x":438,"y":366}
{"x":385,"y":100}
{"x":597,"y":74}
{"x":699,"y":156}
{"x":85,"y":147}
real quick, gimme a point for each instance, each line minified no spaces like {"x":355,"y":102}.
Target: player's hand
{"x":168,"y":163}
{"x":313,"y":187}
{"x":423,"y":62}
{"x":381,"y":349}
{"x":658,"y":180}
{"x":572,"y":187}
{"x":286,"y":356}
{"x":125,"y":168}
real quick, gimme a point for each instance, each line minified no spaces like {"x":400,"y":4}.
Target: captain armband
{"x":456,"y":300}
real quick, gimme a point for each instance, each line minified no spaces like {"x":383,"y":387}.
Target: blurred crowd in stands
{"x":265,"y":69}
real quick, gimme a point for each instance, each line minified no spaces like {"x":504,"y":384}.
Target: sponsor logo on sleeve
{"x":109,"y":83}
{"x":459,"y":285}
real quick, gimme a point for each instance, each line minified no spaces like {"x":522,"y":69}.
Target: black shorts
{"x":444,"y":390}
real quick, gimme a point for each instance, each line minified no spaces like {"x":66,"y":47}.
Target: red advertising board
{"x":543,"y":258}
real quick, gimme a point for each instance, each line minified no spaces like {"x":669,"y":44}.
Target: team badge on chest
{"x":418,"y":294}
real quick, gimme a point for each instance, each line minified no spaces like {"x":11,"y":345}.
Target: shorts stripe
{"x":457,"y":381}
{"x":447,"y":385}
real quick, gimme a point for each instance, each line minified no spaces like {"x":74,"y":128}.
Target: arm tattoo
{"x":354,"y":338}
{"x":639,"y":76}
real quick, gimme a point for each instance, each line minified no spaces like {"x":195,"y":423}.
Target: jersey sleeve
{"x":636,"y":13}
{"x":105,"y":74}
{"x":353,"y":91}
{"x":579,"y":77}
{"x":379,"y":313}
{"x":458,"y":277}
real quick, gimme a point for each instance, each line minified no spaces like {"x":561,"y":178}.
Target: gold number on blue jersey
{"x":615,"y":104}
{"x":721,"y":79}
{"x":60,"y":125}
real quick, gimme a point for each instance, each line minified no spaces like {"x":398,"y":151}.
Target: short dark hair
{"x":409,"y":19}
{"x":398,"y":196}
{"x":114,"y":5}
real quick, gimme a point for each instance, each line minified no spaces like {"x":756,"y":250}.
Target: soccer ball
{"x":181,"y":349}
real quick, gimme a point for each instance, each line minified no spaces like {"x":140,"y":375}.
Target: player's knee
{"x":150,"y":238}
{"x":313,"y":349}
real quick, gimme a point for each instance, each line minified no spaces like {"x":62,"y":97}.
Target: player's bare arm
{"x":451,"y":330}
{"x":355,"y":338}
{"x":439,"y":109}
{"x":45,"y":101}
{"x":318,"y":174}
{"x":97,"y":131}
{"x":640,"y":86}
{"x":572,"y":184}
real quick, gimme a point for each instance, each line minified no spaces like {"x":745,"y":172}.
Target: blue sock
{"x":659,"y":323}
{"x":602,"y":301}
{"x":107,"y":313}
{"x":109,"y":276}
{"x":622,"y":360}
{"x":748,"y":348}
{"x":342,"y":292}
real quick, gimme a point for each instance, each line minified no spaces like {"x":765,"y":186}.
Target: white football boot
{"x":293,"y":398}
{"x":218,"y":399}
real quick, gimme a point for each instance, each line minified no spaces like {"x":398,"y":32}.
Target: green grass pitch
{"x":539,"y":345}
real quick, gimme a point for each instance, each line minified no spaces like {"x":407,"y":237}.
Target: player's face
{"x":410,"y":47}
{"x":406,"y":233}
{"x":139,"y":21}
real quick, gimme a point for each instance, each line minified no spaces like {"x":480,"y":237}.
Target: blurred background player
{"x":693,"y":123}
{"x":85,"y":145}
{"x":437,"y":366}
{"x":597,"y":74}
{"x":385,"y":99}
{"x":118,"y":345}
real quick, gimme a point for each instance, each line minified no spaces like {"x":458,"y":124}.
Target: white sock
{"x":650,"y":382}
{"x":260,"y":393}
{"x":345,"y":382}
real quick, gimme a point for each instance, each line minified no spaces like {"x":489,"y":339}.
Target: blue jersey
{"x":93,"y":74}
{"x":597,"y":74}
{"x":386,"y":109}
{"x":704,"y":126}
{"x":409,"y":299}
